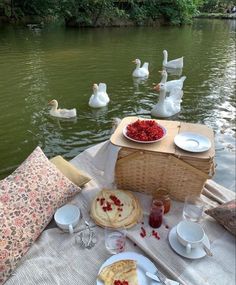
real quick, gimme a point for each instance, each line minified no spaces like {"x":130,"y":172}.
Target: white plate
{"x":125,"y":134}
{"x":181,"y":250}
{"x":143,"y":265}
{"x":192,"y":142}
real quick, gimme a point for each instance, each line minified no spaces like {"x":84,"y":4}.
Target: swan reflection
{"x":139,"y":81}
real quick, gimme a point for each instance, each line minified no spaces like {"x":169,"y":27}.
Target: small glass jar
{"x":156,"y":213}
{"x":163,"y":195}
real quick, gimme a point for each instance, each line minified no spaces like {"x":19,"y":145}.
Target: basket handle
{"x":190,"y":167}
{"x":128,"y":157}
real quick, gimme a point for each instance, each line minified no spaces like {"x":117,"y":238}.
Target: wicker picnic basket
{"x":145,"y":171}
{"x":147,"y":168}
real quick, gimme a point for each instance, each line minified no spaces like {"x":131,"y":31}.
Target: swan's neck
{"x":165,"y":58}
{"x":55,"y":106}
{"x":138,"y":65}
{"x":162,"y":96}
{"x":164,"y":78}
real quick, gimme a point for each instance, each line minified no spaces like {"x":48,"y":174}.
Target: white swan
{"x":178,"y":83}
{"x":102,"y":91}
{"x":61,"y":113}
{"x":140,"y":71}
{"x":175,"y":63}
{"x":99,"y":98}
{"x":167,"y":106}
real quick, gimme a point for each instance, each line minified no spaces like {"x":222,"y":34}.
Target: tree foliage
{"x":103,"y":12}
{"x":216,"y":6}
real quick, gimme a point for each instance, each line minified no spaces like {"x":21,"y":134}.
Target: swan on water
{"x":175,"y":63}
{"x":178,"y":83}
{"x":99,"y":98}
{"x":167,"y":106}
{"x":140,"y":71}
{"x":61,"y":113}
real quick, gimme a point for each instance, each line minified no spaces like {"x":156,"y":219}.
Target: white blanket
{"x":56,"y":258}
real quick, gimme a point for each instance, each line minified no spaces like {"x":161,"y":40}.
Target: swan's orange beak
{"x":157,"y":88}
{"x":134,"y":61}
{"x":49,"y":103}
{"x":160,"y":71}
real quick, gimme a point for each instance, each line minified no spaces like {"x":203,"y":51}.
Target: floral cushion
{"x":226,"y":215}
{"x":28,"y":200}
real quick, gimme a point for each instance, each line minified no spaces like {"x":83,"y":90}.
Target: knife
{"x":159,"y":277}
{"x":153,"y":276}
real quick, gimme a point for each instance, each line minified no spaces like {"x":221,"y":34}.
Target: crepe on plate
{"x":123,"y":270}
{"x":115,"y":209}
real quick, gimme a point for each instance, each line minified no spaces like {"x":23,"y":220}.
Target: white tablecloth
{"x":56,"y":258}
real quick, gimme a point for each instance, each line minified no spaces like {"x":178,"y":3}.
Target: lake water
{"x":37,"y":66}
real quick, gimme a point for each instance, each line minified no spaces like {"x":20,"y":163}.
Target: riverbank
{"x":37,"y":21}
{"x":216,"y":16}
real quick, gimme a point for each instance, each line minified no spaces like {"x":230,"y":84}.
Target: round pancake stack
{"x":116,"y":209}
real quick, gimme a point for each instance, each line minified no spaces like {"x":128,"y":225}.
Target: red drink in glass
{"x":156,"y":213}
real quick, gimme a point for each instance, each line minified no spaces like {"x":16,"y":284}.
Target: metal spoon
{"x":93,"y":241}
{"x":207,"y":250}
{"x":81,"y":242}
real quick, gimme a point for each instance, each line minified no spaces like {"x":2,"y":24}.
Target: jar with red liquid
{"x":163,"y":195}
{"x":156,"y":213}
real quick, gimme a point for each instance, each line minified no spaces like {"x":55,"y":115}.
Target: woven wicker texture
{"x":147,"y":171}
{"x":148,"y":167}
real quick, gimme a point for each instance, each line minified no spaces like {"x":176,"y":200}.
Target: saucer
{"x":195,"y":253}
{"x":192,"y":142}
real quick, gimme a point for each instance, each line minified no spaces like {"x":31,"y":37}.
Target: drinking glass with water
{"x":115,"y":240}
{"x":193,"y":208}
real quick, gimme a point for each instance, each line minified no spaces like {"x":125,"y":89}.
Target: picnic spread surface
{"x":56,"y":258}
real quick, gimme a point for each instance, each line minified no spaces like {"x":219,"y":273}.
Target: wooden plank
{"x":202,"y":130}
{"x":167,"y":144}
{"x":164,"y":146}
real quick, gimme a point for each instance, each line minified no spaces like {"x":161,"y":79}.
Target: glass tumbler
{"x":115,"y":240}
{"x":193,"y":208}
{"x":156,"y":213}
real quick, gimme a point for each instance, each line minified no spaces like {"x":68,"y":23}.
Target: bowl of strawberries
{"x":144,"y":131}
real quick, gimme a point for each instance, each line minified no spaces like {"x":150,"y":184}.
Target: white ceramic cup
{"x":67,"y":217}
{"x":190,"y":234}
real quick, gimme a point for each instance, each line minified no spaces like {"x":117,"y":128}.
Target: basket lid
{"x":166,"y":145}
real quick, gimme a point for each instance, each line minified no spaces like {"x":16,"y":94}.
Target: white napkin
{"x":104,"y":159}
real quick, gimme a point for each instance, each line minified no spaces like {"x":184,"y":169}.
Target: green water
{"x":39,"y":65}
